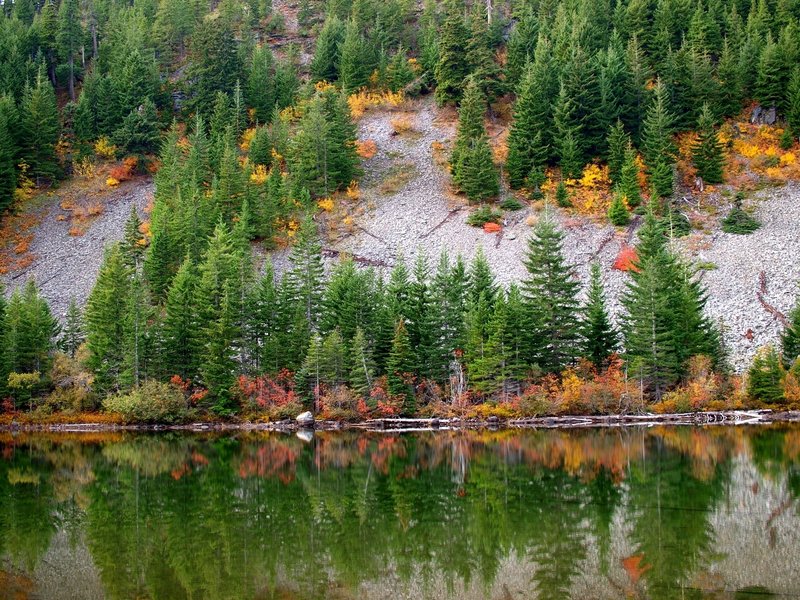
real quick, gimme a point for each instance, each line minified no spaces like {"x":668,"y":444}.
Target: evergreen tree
{"x":217,"y":357}
{"x":617,"y":142}
{"x":260,"y":85}
{"x":362,"y":367}
{"x":215,"y":63}
{"x":628,"y":185}
{"x":73,"y":334}
{"x":398,"y":72}
{"x":551,"y":300}
{"x":133,"y":241}
{"x":136,"y":328}
{"x":325,"y":64}
{"x":657,"y":145}
{"x":39,"y":128}
{"x":29,"y":332}
{"x":599,"y":337}
{"x":305,"y":280}
{"x":400,"y":369}
{"x":480,"y":58}
{"x":180,"y":331}
{"x":451,"y":68}
{"x":790,"y":338}
{"x":105,"y":321}
{"x":139,"y":132}
{"x":618,"y":212}
{"x":527,"y":147}
{"x":354,"y":68}
{"x":765,"y":377}
{"x":793,"y":100}
{"x":707,"y":152}
{"x":8,"y":172}
{"x":772,"y":78}
{"x":70,"y":32}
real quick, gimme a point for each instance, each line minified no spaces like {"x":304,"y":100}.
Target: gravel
{"x":66,"y":266}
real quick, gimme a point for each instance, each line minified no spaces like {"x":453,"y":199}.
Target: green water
{"x":635,"y":513}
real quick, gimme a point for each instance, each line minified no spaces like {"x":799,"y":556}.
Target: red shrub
{"x":626,"y":259}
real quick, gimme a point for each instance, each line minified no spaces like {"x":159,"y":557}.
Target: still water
{"x":677,"y":512}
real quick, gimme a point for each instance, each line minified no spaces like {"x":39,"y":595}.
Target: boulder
{"x":763,"y":116}
{"x":305,"y":419}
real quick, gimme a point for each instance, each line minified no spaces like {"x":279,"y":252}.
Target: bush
{"x":676,"y":223}
{"x":151,"y":402}
{"x":618,"y":212}
{"x":341,"y":404}
{"x":268,"y":397}
{"x":72,"y":385}
{"x":562,"y":195}
{"x":511,"y":204}
{"x":739,"y":222}
{"x":485,"y":214}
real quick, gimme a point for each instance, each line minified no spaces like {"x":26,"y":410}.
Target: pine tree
{"x":133,"y":241}
{"x":325,"y":64}
{"x":400,"y":369}
{"x":136,"y":328}
{"x":30,"y":331}
{"x":305,"y":281}
{"x":139,"y":132}
{"x":599,"y":337}
{"x":181,"y":338}
{"x":480,"y":58}
{"x":362,"y":367}
{"x":73,"y":334}
{"x":790,"y":338}
{"x":105,"y":319}
{"x":568,"y":135}
{"x":765,"y":377}
{"x":617,"y":142}
{"x":470,"y":123}
{"x":527,"y":147}
{"x":628,"y":186}
{"x":215,"y":63}
{"x":792,"y":101}
{"x":550,"y":299}
{"x":398,"y":72}
{"x":217,"y":360}
{"x":657,"y":145}
{"x":70,"y":33}
{"x":260,"y":85}
{"x":618,"y":212}
{"x":707,"y":152}
{"x":39,"y":128}
{"x":772,"y":78}
{"x":8,"y":173}
{"x":353,"y":65}
{"x":451,"y":68}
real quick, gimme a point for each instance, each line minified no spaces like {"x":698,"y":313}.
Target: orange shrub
{"x":366,"y":149}
{"x":492,"y":227}
{"x":626,"y":259}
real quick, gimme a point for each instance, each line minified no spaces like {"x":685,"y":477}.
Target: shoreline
{"x":407,"y":425}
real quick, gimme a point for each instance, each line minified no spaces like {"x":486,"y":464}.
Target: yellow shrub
{"x":111,"y":182}
{"x":594,"y":177}
{"x":104,"y":148}
{"x":326,"y":204}
{"x":352,"y":192}
{"x":788,"y":159}
{"x":259,"y":175}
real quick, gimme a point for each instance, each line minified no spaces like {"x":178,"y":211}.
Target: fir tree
{"x":105,"y":321}
{"x":215,"y":63}
{"x":137,"y":343}
{"x":8,"y":173}
{"x":217,"y":360}
{"x":451,"y":68}
{"x":398,"y":72}
{"x":133,"y":241}
{"x":305,"y":279}
{"x":180,"y":331}
{"x":39,"y":128}
{"x":628,"y":185}
{"x":618,"y":212}
{"x":765,"y":377}
{"x":657,"y":145}
{"x":790,"y":338}
{"x":325,"y":64}
{"x":70,"y":33}
{"x":73,"y":334}
{"x":139,"y":132}
{"x":353,"y":66}
{"x":30,"y":331}
{"x":707,"y":152}
{"x":470,"y":123}
{"x":362,"y":367}
{"x":793,"y":100}
{"x":480,"y":58}
{"x":617,"y":142}
{"x":599,"y":337}
{"x":260,"y":85}
{"x":400,"y":369}
{"x":527,"y":147}
{"x":551,"y":300}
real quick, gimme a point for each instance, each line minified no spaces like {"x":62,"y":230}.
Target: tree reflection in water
{"x":545,"y":514}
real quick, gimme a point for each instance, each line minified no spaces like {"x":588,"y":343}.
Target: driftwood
{"x":400,"y":424}
{"x":762,"y":291}
{"x":361,"y":260}
{"x":449,"y":216}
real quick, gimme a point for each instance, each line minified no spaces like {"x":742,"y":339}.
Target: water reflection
{"x":634,"y":513}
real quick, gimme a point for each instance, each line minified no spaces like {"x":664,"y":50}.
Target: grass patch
{"x":397,"y":178}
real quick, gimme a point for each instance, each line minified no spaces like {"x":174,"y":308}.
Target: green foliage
{"x":325,"y":64}
{"x":657,"y":146}
{"x":562,"y":195}
{"x":551,"y":303}
{"x":482,"y":215}
{"x":400,"y":369}
{"x":215,"y":64}
{"x":451,"y":68}
{"x":618,"y":213}
{"x":151,"y":402}
{"x":73,"y":333}
{"x":139,"y":132}
{"x":599,"y":338}
{"x":511,"y":204}
{"x":740,"y":222}
{"x":39,"y":128}
{"x":765,"y":377}
{"x":707,"y":151}
{"x":790,"y":338}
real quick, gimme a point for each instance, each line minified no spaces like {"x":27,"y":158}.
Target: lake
{"x":662,"y":512}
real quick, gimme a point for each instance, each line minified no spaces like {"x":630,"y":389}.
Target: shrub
{"x":511,"y":204}
{"x":485,"y":214}
{"x":626,"y":259}
{"x":72,"y":385}
{"x":618,"y":212}
{"x":272,"y":397}
{"x":562,"y":195}
{"x":341,"y":404}
{"x":739,"y":222}
{"x":151,"y":402}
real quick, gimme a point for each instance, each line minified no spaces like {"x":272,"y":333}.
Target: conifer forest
{"x":221,"y":298}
